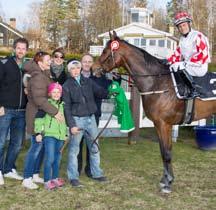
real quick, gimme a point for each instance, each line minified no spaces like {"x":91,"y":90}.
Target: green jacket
{"x":49,"y":126}
{"x":122,"y":109}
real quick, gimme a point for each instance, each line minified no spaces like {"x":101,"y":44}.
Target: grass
{"x":134,"y":172}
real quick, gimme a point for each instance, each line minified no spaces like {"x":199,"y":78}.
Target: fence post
{"x":135,"y":108}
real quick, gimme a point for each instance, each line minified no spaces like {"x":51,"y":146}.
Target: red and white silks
{"x":193,"y":51}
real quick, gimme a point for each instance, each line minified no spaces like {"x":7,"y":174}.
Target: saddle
{"x":205,"y":86}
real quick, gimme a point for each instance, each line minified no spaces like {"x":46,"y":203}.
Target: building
{"x":140,"y":33}
{"x":8,"y":33}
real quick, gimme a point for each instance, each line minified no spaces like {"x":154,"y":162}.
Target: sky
{"x":18,"y":8}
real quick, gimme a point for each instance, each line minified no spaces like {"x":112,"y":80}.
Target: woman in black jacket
{"x":57,"y":68}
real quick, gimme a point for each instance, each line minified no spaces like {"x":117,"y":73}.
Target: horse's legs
{"x":164,"y":133}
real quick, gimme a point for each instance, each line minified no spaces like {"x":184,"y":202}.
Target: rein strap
{"x":153,"y":92}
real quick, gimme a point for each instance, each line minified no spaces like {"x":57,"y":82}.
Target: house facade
{"x":8,"y":33}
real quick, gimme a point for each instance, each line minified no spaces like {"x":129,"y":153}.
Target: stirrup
{"x":192,"y":95}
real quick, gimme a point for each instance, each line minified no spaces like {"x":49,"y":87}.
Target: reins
{"x":139,"y":75}
{"x":94,"y":141}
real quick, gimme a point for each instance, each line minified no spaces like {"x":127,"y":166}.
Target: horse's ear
{"x":111,"y":36}
{"x":114,"y":35}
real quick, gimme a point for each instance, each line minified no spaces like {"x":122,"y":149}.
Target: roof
{"x":138,"y":29}
{"x":15,"y":31}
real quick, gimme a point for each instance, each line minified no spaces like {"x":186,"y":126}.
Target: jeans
{"x":34,"y":158}
{"x":13,"y":121}
{"x":90,"y":131}
{"x":52,"y":158}
{"x":80,"y":158}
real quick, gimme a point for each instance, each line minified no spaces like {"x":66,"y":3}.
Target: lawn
{"x":134,"y":172}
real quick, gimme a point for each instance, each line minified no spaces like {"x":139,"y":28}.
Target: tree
{"x":140,"y":3}
{"x":52,"y":17}
{"x":160,"y":19}
{"x":73,"y":29}
{"x":32,"y":29}
{"x":103,"y":16}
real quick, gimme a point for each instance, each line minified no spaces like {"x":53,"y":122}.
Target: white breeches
{"x":194,"y":69}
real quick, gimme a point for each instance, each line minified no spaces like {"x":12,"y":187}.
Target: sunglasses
{"x":57,"y":56}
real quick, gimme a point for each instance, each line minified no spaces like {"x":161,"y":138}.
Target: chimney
{"x":12,"y":22}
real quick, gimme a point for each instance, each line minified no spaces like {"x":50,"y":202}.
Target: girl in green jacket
{"x":53,"y":134}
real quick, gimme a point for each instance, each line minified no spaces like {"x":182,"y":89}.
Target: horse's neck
{"x":139,"y":71}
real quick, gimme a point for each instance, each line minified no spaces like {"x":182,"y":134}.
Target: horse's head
{"x":111,"y":56}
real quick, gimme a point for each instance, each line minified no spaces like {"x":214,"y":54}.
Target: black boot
{"x":188,"y":79}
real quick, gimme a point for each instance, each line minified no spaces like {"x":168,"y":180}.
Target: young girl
{"x":53,"y":134}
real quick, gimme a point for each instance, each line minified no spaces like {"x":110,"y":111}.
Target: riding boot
{"x":188,"y":79}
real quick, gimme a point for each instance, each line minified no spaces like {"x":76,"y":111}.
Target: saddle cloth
{"x":205,"y":86}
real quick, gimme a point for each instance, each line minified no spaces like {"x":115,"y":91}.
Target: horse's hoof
{"x":166,"y":190}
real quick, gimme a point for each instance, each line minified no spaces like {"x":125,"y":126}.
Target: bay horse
{"x":163,"y":108}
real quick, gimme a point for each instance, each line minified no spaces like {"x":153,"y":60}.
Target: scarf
{"x":57,"y":69}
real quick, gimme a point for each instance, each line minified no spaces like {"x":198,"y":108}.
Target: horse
{"x":161,"y":106}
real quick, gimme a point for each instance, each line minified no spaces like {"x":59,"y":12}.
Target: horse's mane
{"x":150,"y":59}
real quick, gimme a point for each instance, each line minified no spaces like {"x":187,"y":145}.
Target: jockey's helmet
{"x":182,"y":17}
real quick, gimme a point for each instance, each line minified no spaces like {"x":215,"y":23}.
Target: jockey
{"x":192,"y":56}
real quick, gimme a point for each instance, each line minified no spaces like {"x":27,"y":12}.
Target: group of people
{"x":52,"y":102}
{"x":39,"y":96}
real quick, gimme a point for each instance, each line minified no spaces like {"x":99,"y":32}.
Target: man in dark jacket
{"x":104,"y":82}
{"x":78,"y":94}
{"x":13,"y":103}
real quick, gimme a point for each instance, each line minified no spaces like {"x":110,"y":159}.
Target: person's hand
{"x":2,"y":111}
{"x":165,"y":61}
{"x":116,"y":75}
{"x":75,"y":130}
{"x":39,"y":138}
{"x":60,"y":117}
{"x":26,"y":91}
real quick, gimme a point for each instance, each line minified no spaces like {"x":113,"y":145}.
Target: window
{"x":1,"y":35}
{"x":11,"y":41}
{"x":135,"y":17}
{"x":169,"y":44}
{"x":1,"y":41}
{"x":152,"y":42}
{"x":143,"y":42}
{"x":161,"y":43}
{"x":136,"y":42}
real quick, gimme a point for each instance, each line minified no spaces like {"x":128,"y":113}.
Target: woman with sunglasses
{"x":57,"y":66}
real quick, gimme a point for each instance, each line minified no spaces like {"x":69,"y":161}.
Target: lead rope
{"x":102,"y":130}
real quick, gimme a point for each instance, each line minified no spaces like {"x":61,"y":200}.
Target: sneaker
{"x":13,"y":175}
{"x":29,"y":184}
{"x":100,"y":179}
{"x":76,"y":183}
{"x":50,"y":185}
{"x":1,"y":179}
{"x":37,"y":179}
{"x":58,"y":182}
